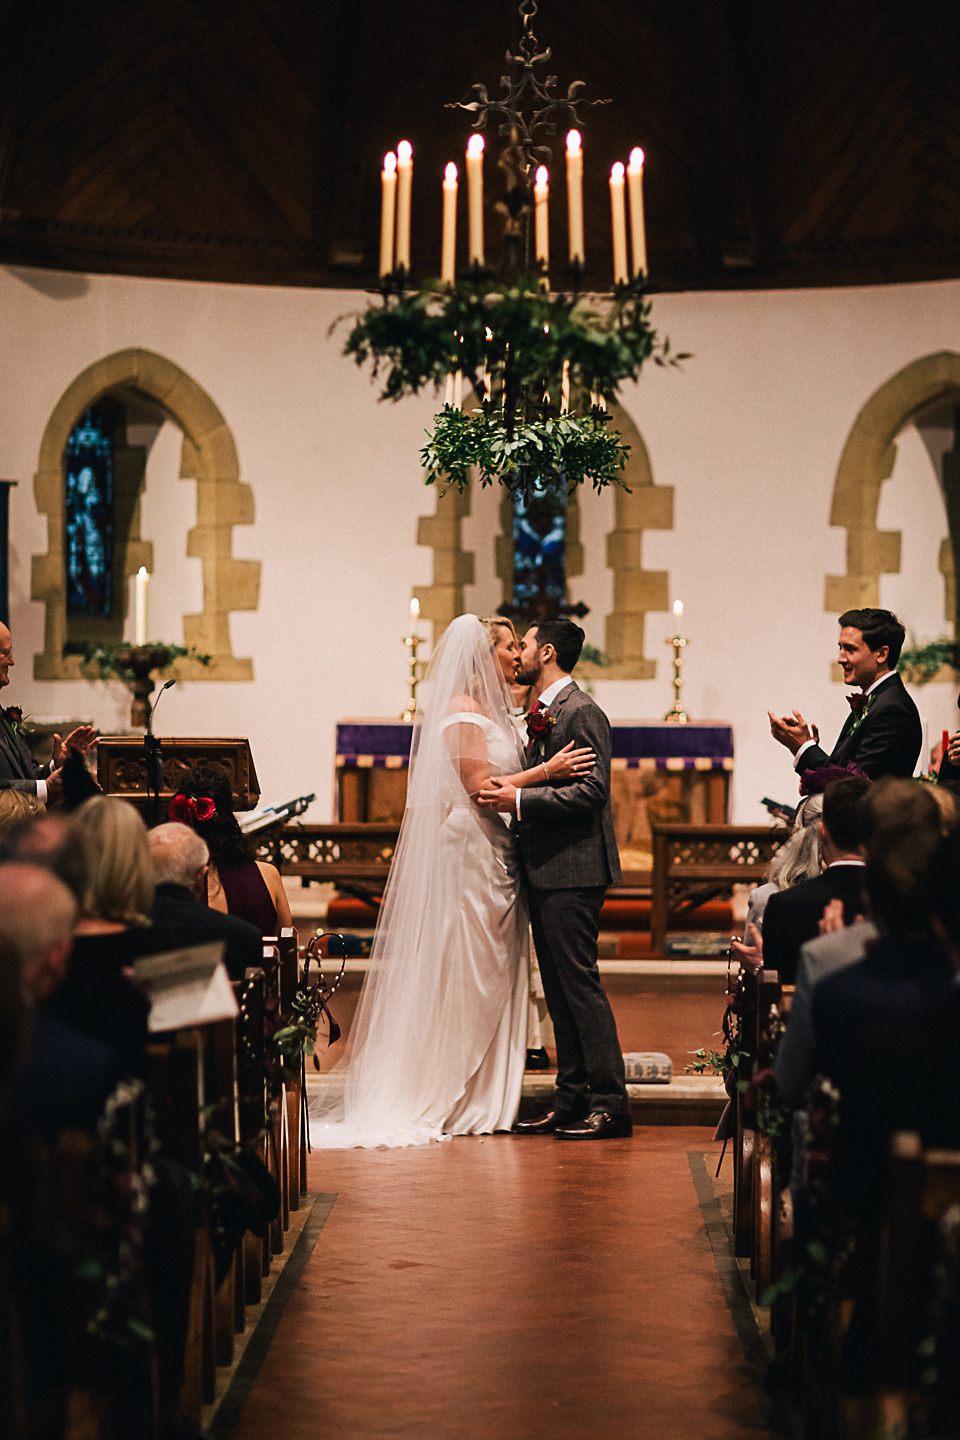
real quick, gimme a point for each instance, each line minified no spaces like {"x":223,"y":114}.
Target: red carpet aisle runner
{"x":507,"y":1289}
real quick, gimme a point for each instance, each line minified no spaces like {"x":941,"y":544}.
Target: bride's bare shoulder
{"x":461,"y":703}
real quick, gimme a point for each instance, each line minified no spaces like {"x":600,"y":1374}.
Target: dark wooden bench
{"x":696,"y":863}
{"x":354,"y":857}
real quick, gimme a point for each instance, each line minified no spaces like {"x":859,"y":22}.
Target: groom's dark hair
{"x":565,"y":637}
{"x":878,"y":628}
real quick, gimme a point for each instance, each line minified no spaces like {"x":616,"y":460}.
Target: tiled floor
{"x":500,"y":1288}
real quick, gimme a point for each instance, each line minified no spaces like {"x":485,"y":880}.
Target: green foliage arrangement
{"x":920,"y":663}
{"x":103,"y":662}
{"x":558,"y":453}
{"x":419,"y":337}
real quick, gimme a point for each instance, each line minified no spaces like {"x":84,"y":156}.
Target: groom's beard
{"x":529,"y":677}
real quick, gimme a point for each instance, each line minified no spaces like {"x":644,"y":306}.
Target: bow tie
{"x":856,"y":702}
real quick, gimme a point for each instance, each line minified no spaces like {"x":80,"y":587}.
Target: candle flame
{"x":389,"y":163}
{"x":488,"y":333}
{"x":616,"y":171}
{"x":636,"y":159}
{"x":573,"y":141}
{"x":142,"y":571}
{"x":475,"y":145}
{"x":542,"y":177}
{"x":415,"y":608}
{"x":678,"y":608}
{"x":404,"y":152}
{"x":450,"y":173}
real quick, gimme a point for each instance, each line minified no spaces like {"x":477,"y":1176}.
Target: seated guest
{"x":794,"y":916}
{"x":65,"y":1077}
{"x":16,"y":806}
{"x":180,"y":861}
{"x":49,"y":841}
{"x":237,"y":882}
{"x":799,"y":859}
{"x":901,"y":807}
{"x":98,"y":995}
{"x":902,"y":973}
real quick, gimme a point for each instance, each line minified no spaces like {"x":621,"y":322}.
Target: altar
{"x":660,"y":773}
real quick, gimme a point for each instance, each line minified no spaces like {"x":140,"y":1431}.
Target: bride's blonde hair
{"x":491,"y":623}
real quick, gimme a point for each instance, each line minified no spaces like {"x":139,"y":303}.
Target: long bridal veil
{"x":446,"y":954}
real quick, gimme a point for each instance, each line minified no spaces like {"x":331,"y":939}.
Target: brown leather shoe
{"x":599,"y":1125}
{"x":544,"y":1124}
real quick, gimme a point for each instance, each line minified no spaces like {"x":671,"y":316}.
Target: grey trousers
{"x":589,"y":1060}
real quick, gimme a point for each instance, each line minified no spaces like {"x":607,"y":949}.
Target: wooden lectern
{"x":122,"y":769}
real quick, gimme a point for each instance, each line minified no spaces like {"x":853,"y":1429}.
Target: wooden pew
{"x":696,"y":863}
{"x":276,"y":1104}
{"x":744,"y":1138}
{"x":289,"y":980}
{"x":252,"y":1110}
{"x":923,"y":1192}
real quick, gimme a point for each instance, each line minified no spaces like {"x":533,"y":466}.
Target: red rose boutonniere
{"x":538,"y":728}
{"x":861,"y":706}
{"x":14,"y":718}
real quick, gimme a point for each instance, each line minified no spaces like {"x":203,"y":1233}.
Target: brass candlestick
{"x":677,"y":715}
{"x":412,"y":641}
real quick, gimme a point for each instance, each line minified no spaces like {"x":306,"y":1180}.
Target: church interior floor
{"x":511,"y":1288}
{"x":674,"y":1014}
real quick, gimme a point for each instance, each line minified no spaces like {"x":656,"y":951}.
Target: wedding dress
{"x":437,"y":1046}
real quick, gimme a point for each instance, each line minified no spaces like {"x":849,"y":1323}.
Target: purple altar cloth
{"x":704,"y":746}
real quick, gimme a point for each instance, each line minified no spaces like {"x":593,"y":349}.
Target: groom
{"x":569,"y":857}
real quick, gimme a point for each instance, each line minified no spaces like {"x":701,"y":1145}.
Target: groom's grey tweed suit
{"x":569,"y":857}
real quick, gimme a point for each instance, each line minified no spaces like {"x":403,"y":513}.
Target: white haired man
{"x":180,"y":859}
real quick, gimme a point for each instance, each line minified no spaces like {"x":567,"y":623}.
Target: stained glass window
{"x":539,"y":540}
{"x":89,"y":518}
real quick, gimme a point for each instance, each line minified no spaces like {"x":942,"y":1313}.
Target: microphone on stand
{"x":154,"y":764}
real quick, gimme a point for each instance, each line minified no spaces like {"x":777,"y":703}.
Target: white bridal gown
{"x":438,"y":1045}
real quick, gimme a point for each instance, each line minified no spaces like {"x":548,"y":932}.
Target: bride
{"x":438,"y":1044}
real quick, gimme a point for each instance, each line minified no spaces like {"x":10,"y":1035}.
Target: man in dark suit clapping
{"x":569,"y":856}
{"x":882,"y":733}
{"x":18,"y":769}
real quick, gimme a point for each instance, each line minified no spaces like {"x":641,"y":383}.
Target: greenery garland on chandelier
{"x":544,"y":364}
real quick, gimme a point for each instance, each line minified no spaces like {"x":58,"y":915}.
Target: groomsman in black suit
{"x":882,"y":733}
{"x":18,"y":769}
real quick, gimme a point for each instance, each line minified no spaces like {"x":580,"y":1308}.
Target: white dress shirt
{"x":545,"y":701}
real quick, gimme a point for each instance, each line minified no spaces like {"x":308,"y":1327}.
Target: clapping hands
{"x":792,"y":730}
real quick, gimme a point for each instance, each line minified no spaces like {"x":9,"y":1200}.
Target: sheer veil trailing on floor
{"x":437,"y":1044}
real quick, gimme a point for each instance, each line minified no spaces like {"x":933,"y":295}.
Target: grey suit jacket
{"x":566,"y":829}
{"x":794,"y":1066}
{"x":18,"y":769}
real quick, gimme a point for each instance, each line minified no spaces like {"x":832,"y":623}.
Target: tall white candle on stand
{"x":448,"y":251}
{"x":575,"y":197}
{"x":404,"y":193}
{"x":388,"y":207}
{"x":475,"y":197}
{"x":677,"y":612}
{"x":541,"y":192}
{"x":638,"y":227}
{"x":414,"y":614}
{"x":618,"y":218}
{"x":141,"y":581}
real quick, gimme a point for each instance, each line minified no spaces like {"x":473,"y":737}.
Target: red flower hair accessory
{"x":184,"y":808}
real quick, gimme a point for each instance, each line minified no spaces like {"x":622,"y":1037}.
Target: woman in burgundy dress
{"x":237,"y":882}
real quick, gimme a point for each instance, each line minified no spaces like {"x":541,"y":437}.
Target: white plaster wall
{"x":749,"y":433}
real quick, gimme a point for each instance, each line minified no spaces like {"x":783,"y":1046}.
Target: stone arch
{"x":636,"y":591}
{"x":866,"y":462}
{"x":209,"y":456}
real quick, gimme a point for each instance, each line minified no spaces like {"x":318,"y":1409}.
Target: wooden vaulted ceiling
{"x":789,"y":142}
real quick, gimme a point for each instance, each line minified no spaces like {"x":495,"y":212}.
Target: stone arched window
{"x":208,"y":455}
{"x":636,"y":591}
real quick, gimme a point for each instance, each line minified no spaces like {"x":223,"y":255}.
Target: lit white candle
{"x":475,"y":197}
{"x":565,"y":388}
{"x":388,"y":205}
{"x":618,"y":217}
{"x":448,"y":250}
{"x":638,"y":228}
{"x":678,"y":610}
{"x":575,"y":197}
{"x":458,"y":389}
{"x":141,"y":580}
{"x":448,"y":393}
{"x":414,"y":613}
{"x":404,"y":189}
{"x":541,"y":193}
